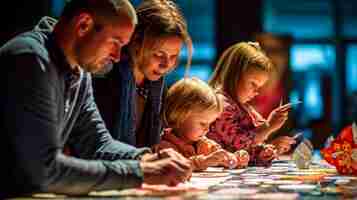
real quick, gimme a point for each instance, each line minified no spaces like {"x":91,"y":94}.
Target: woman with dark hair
{"x":131,"y":107}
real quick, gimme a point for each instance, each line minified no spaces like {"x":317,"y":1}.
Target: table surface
{"x":283,"y":180}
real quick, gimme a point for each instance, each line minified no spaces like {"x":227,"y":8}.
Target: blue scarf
{"x":124,"y":121}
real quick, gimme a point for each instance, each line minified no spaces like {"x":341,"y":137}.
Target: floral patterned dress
{"x":235,"y":129}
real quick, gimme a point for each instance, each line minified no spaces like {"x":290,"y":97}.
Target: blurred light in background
{"x":57,"y":7}
{"x":201,"y":51}
{"x":294,"y":96}
{"x":349,"y":18}
{"x":313,"y":102}
{"x":200,"y":68}
{"x":201,"y":26}
{"x":312,"y":24}
{"x":312,"y":57}
{"x":299,"y":18}
{"x":202,"y":72}
{"x":351,"y":71}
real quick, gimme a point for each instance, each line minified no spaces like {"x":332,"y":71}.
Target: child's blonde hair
{"x":234,"y":61}
{"x":186,"y":96}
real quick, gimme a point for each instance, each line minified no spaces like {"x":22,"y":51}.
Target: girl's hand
{"x":222,"y":158}
{"x":278,"y":117}
{"x":268,"y":153}
{"x":214,"y":145}
{"x":207,"y":146}
{"x":242,"y":158}
{"x":283,"y":144}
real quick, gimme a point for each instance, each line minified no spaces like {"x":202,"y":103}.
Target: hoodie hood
{"x":46,"y":24}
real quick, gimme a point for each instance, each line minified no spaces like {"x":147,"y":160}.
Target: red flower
{"x":342,"y":153}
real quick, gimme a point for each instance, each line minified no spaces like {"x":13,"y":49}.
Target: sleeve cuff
{"x":141,"y":152}
{"x":122,"y":174}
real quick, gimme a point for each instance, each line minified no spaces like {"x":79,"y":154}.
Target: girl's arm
{"x":262,"y":133}
{"x":263,"y":129}
{"x":217,"y":158}
{"x":206,"y":146}
{"x":274,"y":122}
{"x":228,"y":132}
{"x":199,"y":162}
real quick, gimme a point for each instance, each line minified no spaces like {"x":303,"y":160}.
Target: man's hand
{"x":166,"y":167}
{"x":149,"y":157}
{"x":164,"y":153}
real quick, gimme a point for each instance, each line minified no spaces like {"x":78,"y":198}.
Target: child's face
{"x":249,"y":84}
{"x":196,"y":125}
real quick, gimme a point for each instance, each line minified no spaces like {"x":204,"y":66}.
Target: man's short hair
{"x":101,"y":8}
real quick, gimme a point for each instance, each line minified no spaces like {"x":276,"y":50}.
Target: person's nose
{"x":116,"y":54}
{"x":164,"y":64}
{"x":205,"y":130}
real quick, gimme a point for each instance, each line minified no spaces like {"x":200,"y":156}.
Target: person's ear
{"x":84,"y":24}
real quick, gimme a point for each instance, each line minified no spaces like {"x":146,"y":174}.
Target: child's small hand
{"x":214,"y":145}
{"x":242,"y":158}
{"x":232,"y":161}
{"x":223,"y":158}
{"x":283,"y":144}
{"x":278,"y":117}
{"x":268,"y":153}
{"x":205,"y":146}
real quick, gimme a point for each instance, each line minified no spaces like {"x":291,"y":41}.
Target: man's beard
{"x":99,"y":71}
{"x":105,"y":69}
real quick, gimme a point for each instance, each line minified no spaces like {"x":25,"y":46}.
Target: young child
{"x":241,"y":71}
{"x":190,"y":107}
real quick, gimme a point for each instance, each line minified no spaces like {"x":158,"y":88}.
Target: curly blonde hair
{"x":186,"y":96}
